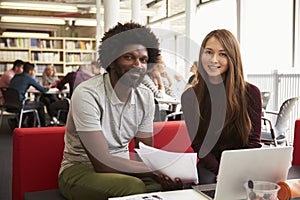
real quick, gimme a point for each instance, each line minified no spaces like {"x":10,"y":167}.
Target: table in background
{"x":37,"y":93}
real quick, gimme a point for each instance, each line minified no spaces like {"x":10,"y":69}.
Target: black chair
{"x":12,"y":104}
{"x":276,"y":134}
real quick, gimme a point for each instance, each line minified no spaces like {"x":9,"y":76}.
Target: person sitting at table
{"x":106,"y":113}
{"x":159,"y":82}
{"x":9,"y":74}
{"x":95,"y":67}
{"x":73,"y":79}
{"x":21,"y":82}
{"x":49,"y":79}
{"x":222,"y":111}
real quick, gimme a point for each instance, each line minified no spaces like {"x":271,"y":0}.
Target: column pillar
{"x":136,"y":11}
{"x":190,"y":15}
{"x":111,"y":13}
{"x":98,"y":27}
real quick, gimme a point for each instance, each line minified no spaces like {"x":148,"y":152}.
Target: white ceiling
{"x":82,"y":5}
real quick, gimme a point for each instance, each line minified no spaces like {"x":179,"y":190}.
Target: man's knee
{"x":131,"y":185}
{"x":109,"y":185}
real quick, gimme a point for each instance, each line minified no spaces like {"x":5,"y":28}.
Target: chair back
{"x":265,"y":96}
{"x":286,"y":108}
{"x":11,"y":99}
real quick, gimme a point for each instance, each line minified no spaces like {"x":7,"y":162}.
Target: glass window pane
{"x":266,"y":36}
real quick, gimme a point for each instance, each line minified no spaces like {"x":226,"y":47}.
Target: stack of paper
{"x":181,"y":165}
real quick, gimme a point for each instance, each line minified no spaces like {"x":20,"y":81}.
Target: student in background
{"x":179,"y":85}
{"x":158,"y":81}
{"x":73,"y":79}
{"x":22,"y":82}
{"x":222,"y":111}
{"x":193,"y":78}
{"x":9,"y":74}
{"x":106,"y":113}
{"x":96,"y":69}
{"x":49,"y":80}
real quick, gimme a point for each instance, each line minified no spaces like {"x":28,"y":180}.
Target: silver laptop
{"x":239,"y":166}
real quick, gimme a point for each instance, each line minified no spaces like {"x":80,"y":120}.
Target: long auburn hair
{"x":237,"y":118}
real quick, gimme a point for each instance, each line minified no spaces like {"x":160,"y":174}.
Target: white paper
{"x":181,"y":165}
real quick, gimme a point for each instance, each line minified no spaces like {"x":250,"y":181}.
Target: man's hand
{"x":168,"y":184}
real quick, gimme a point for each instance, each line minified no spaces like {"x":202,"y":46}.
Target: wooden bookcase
{"x":66,"y":54}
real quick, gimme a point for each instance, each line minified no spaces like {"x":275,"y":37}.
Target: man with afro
{"x":106,"y":112}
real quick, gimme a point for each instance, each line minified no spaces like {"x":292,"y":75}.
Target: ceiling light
{"x":58,"y":7}
{"x":147,"y":12}
{"x":25,"y":34}
{"x":33,"y":20}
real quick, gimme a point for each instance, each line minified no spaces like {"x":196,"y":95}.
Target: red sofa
{"x":296,"y":152}
{"x":37,"y":153}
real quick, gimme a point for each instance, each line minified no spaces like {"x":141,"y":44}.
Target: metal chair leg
{"x":1,"y":117}
{"x":37,"y":118}
{"x":20,"y":120}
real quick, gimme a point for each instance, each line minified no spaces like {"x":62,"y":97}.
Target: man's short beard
{"x":126,"y":80}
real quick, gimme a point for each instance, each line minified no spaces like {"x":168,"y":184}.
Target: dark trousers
{"x":39,"y":106}
{"x":206,"y":177}
{"x":48,"y":99}
{"x":60,"y":105}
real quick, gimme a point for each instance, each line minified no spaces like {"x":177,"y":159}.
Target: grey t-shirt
{"x":95,"y":106}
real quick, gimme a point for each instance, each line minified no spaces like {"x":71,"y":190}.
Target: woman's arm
{"x":190,"y":108}
{"x":37,"y":86}
{"x":255,"y":112}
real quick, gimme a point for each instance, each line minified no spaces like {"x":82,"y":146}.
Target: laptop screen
{"x":239,"y":166}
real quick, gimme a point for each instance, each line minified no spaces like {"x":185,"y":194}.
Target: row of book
{"x":50,"y":44}
{"x":71,"y":68}
{"x":14,"y":42}
{"x":46,"y":57}
{"x":5,"y":66}
{"x":13,"y":55}
{"x":79,"y":57}
{"x":78,"y":45}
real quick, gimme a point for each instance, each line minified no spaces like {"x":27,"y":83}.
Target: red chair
{"x":37,"y":154}
{"x":296,"y":152}
{"x":169,"y":136}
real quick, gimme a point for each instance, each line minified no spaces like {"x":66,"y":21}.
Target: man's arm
{"x":37,"y":86}
{"x":96,"y":147}
{"x":63,"y":81}
{"x":146,"y":138}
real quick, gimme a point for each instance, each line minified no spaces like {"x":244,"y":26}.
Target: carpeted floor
{"x":6,"y":160}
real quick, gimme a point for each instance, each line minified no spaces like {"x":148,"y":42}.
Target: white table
{"x":171,"y":104}
{"x":36,"y":93}
{"x":189,"y":194}
{"x":51,"y":91}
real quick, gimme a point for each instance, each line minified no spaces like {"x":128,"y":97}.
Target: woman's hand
{"x":168,"y":184}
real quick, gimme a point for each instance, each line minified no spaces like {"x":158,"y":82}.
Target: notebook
{"x":239,"y":166}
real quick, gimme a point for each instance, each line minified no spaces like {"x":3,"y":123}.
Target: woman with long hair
{"x":222,"y":111}
{"x":49,"y":80}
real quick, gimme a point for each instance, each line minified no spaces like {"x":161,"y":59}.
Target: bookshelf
{"x":65,"y":54}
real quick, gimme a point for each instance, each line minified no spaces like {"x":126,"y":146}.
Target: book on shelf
{"x":15,"y":42}
{"x":82,"y":45}
{"x":33,"y":42}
